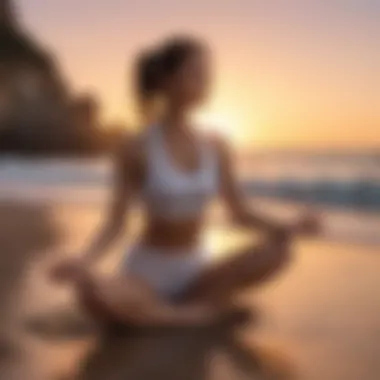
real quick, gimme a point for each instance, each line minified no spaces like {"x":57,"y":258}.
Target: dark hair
{"x":156,"y":65}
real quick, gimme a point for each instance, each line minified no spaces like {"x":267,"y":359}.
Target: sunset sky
{"x":289,"y":72}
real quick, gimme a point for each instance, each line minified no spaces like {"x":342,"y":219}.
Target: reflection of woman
{"x":166,"y":279}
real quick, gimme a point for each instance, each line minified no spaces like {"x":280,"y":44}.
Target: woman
{"x":174,"y":171}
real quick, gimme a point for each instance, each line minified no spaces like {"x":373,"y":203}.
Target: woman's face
{"x":189,"y":86}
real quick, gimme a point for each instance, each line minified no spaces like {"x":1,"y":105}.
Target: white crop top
{"x":171,"y":193}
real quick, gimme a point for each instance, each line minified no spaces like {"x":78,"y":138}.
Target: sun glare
{"x":223,"y":123}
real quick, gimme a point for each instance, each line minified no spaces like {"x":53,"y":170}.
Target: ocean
{"x":344,"y":189}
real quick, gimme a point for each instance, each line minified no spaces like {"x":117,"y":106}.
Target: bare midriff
{"x":160,"y":233}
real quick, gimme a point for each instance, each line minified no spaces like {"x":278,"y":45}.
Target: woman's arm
{"x":239,"y":209}
{"x":125,"y":185}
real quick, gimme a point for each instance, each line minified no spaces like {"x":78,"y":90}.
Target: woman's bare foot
{"x":238,"y":316}
{"x":68,"y":270}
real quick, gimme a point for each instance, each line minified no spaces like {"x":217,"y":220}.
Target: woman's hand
{"x":308,"y":225}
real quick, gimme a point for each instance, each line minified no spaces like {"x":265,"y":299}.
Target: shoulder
{"x":218,"y":143}
{"x":131,"y":145}
{"x":130,"y":150}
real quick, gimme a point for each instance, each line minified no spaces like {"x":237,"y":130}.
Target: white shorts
{"x":170,"y":274}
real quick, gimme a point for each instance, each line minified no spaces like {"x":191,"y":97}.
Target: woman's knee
{"x":278,"y":253}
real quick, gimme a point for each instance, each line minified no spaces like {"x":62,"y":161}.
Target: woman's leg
{"x":108,"y":299}
{"x":128,"y":300}
{"x":249,"y":267}
{"x":125,"y":299}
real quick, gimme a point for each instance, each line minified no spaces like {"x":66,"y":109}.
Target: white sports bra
{"x":170,"y":193}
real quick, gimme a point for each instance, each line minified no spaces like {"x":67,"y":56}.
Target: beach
{"x":318,"y":320}
{"x":273,"y":101}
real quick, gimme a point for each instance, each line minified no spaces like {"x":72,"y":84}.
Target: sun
{"x":222,"y":122}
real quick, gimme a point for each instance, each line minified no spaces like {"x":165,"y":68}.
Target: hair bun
{"x":154,"y":66}
{"x":149,"y":69}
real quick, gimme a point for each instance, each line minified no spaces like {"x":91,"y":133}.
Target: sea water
{"x":345,"y":188}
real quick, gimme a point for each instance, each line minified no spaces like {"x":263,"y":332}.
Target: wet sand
{"x":320,"y":320}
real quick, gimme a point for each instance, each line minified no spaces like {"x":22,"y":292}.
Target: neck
{"x":176,"y":119}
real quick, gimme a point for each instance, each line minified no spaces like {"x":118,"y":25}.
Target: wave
{"x":359,"y":194}
{"x":57,"y":175}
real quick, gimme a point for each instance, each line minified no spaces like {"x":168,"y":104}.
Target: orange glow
{"x":224,"y":122}
{"x":303,"y":74}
